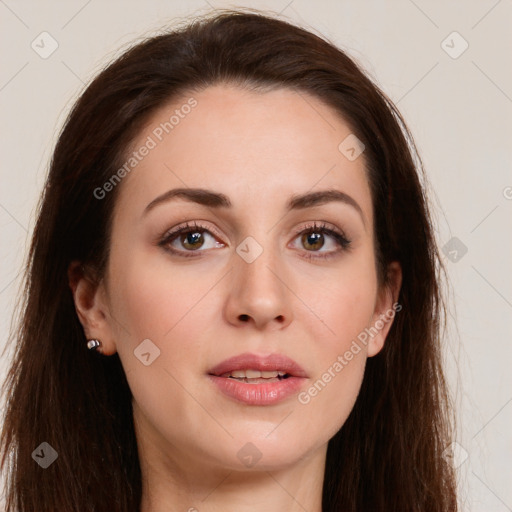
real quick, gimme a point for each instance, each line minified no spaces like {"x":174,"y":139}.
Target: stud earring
{"x":93,"y":344}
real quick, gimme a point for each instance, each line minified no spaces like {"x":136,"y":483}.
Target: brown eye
{"x":320,"y":242}
{"x":192,"y":240}
{"x":312,"y":241}
{"x":189,"y":240}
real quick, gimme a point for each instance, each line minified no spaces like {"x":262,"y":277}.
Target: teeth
{"x":254,"y":374}
{"x":270,"y":375}
{"x":239,"y":374}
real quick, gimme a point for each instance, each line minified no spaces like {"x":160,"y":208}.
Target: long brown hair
{"x":388,"y":456}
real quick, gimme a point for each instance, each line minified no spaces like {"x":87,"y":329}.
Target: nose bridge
{"x":256,"y":264}
{"x":257,"y":294}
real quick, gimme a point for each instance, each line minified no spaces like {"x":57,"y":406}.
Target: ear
{"x":91,"y":307}
{"x":386,"y":307}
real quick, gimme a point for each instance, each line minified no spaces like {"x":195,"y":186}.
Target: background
{"x":445,"y":66}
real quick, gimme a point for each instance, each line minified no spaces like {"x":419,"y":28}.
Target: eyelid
{"x":190,"y":226}
{"x":320,"y":225}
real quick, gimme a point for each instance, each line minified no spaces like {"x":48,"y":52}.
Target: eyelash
{"x":339,"y":237}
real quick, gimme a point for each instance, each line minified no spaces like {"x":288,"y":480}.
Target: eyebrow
{"x":217,"y":200}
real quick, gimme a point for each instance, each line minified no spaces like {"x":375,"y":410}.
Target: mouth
{"x":253,"y":366}
{"x":258,"y":380}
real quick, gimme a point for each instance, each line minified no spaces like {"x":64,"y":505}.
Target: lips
{"x":251,"y":363}
{"x":258,"y":380}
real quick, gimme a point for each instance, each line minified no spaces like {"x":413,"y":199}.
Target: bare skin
{"x":259,"y":150}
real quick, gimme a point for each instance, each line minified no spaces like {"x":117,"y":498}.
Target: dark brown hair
{"x":388,"y":454}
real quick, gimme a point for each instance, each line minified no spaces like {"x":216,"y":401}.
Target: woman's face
{"x":269,"y":274}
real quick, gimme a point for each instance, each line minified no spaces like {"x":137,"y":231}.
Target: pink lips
{"x":261,"y":393}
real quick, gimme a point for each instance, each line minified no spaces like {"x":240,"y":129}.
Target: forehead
{"x":252,"y":146}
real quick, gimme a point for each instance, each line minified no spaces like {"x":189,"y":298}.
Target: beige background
{"x":460,"y":112}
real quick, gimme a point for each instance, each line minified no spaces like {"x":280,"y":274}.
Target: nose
{"x":259,"y":294}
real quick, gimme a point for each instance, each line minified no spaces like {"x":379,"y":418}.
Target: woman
{"x":233,"y":294}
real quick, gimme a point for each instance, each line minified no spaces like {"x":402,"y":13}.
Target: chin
{"x":261,"y":453}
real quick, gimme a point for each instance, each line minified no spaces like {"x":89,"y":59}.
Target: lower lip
{"x":258,"y":394}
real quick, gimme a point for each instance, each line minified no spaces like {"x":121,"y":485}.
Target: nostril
{"x":244,"y":318}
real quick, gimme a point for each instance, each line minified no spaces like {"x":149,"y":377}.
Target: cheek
{"x":344,"y":303}
{"x":156,"y":301}
{"x":160,"y":303}
{"x":155,"y":297}
{"x":344,"y":308}
{"x":327,"y":401}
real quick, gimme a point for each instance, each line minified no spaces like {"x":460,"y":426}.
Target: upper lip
{"x":248,"y":361}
